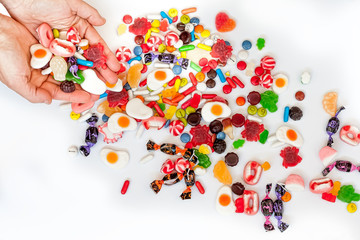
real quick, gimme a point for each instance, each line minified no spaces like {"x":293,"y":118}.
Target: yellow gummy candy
{"x":204,"y":149}
{"x":170,"y":112}
{"x":334,"y":191}
{"x":221,"y":173}
{"x":169,"y":93}
{"x":75,"y":116}
{"x":121,"y":29}
{"x":155,"y":23}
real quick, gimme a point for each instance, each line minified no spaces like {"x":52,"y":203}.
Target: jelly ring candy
{"x":45,"y":34}
{"x":321,"y":185}
{"x":62,"y":48}
{"x":251,"y":202}
{"x":350,"y":135}
{"x":252,"y":172}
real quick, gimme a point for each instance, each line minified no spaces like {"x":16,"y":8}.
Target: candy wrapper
{"x":333,"y":126}
{"x":279,"y":207}
{"x":166,"y":58}
{"x":267,"y":208}
{"x":91,"y":136}
{"x":189,"y":178}
{"x":341,"y":165}
{"x":172,"y":149}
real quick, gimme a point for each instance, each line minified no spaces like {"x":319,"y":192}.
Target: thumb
{"x":37,"y":95}
{"x":89,"y":13}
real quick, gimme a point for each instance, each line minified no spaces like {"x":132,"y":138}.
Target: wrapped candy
{"x":189,"y":178}
{"x":166,"y":58}
{"x":91,"y":136}
{"x":279,"y":207}
{"x":157,"y":184}
{"x":172,"y":149}
{"x":267,"y":208}
{"x":341,"y":165}
{"x":333,"y":126}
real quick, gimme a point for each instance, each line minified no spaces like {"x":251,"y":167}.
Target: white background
{"x":46,"y":195}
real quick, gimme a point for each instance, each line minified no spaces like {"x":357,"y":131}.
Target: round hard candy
{"x":181,"y":164}
{"x":176,"y":127}
{"x":267,"y":63}
{"x":123,"y":54}
{"x":167,"y":167}
{"x":266,"y":80}
{"x":171,"y":38}
{"x":154,"y":43}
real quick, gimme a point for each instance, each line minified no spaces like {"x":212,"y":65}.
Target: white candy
{"x":92,"y":83}
{"x":147,"y":158}
{"x":130,"y":93}
{"x":137,"y":109}
{"x":202,"y":102}
{"x":46,"y":71}
{"x":243,"y":54}
{"x":85,"y":116}
{"x":253,"y":118}
{"x":161,"y":65}
{"x":62,"y":35}
{"x":173,"y":28}
{"x":215,"y":37}
{"x":305,"y":78}
{"x":189,"y":27}
{"x":208,"y":42}
{"x":140,"y":131}
{"x":116,"y":159}
{"x":195,"y":92}
{"x":179,"y":43}
{"x":186,"y":87}
{"x":79,"y":56}
{"x":73,"y":151}
{"x":184,"y":100}
{"x":200,"y":171}
{"x":134,"y":62}
{"x":152,"y":98}
{"x":201,"y":87}
{"x":141,"y":92}
{"x":195,"y":42}
{"x":156,"y":92}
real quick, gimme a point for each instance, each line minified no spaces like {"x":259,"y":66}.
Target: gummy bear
{"x":290,"y":157}
{"x":224,"y":23}
{"x":95,"y":53}
{"x":221,"y":173}
{"x":221,"y":50}
{"x":252,"y":131}
{"x":140,"y":26}
{"x":269,"y":100}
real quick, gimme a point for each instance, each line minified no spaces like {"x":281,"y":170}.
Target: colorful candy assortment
{"x":169,"y":75}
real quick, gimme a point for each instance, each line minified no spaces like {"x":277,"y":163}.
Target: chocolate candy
{"x":238,"y":120}
{"x":67,"y":86}
{"x":279,"y":207}
{"x":180,"y":26}
{"x":210,"y":83}
{"x":341,"y":165}
{"x":267,"y":208}
{"x":238,"y":188}
{"x":299,"y":95}
{"x":91,"y":136}
{"x":333,"y":126}
{"x":185,"y":37}
{"x":254,"y":97}
{"x":194,"y":119}
{"x":211,"y":74}
{"x":219,"y":146}
{"x":231,"y":159}
{"x":295,"y":113}
{"x":215,"y":126}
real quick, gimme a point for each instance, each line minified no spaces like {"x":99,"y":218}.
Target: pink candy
{"x":268,"y":63}
{"x":73,"y":35}
{"x":266,"y":80}
{"x":181,"y":164}
{"x":294,"y":182}
{"x":154,"y":43}
{"x":45,"y":34}
{"x":350,"y":135}
{"x":176,"y":127}
{"x":123,"y":54}
{"x":167,"y":167}
{"x":321,"y":185}
{"x":252,"y":172}
{"x":171,"y":39}
{"x":251,"y":202}
{"x":62,"y":48}
{"x":327,"y":154}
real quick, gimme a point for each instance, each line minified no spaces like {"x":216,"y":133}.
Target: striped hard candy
{"x":123,"y":54}
{"x":176,"y":127}
{"x":171,"y":38}
{"x":268,"y":63}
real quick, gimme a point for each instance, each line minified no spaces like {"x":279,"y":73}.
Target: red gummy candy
{"x":328,"y":197}
{"x":224,"y":23}
{"x":117,"y":98}
{"x":252,"y":131}
{"x":164,"y":24}
{"x":221,"y":50}
{"x":127,"y":19}
{"x":140,"y":26}
{"x":95,"y":53}
{"x":239,"y":204}
{"x":201,"y":136}
{"x":290,"y":157}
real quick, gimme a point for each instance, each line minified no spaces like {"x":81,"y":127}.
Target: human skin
{"x":16,"y":42}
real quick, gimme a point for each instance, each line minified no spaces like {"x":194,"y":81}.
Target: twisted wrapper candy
{"x":166,"y":58}
{"x":188,"y":174}
{"x":341,"y":165}
{"x":91,"y":136}
{"x":73,"y":67}
{"x":333,"y":126}
{"x":279,"y":207}
{"x":267,"y":208}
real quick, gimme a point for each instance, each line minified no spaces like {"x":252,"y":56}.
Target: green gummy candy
{"x":238,"y":143}
{"x":264,"y":136}
{"x":204,"y":160}
{"x":347,"y":194}
{"x":162,"y":106}
{"x":269,"y":100}
{"x":70,"y":77}
{"x":260,"y":43}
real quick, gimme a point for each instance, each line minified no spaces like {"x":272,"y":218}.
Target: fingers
{"x":89,"y":13}
{"x":78,"y":96}
{"x":35,"y":94}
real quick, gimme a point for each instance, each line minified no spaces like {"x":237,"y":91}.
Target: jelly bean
{"x":286,"y":114}
{"x":252,"y":110}
{"x":204,"y":47}
{"x":56,"y":33}
{"x":185,"y":138}
{"x":221,"y":75}
{"x":188,"y":10}
{"x":227,"y":89}
{"x":199,"y":187}
{"x":264,"y":136}
{"x":231,"y":82}
{"x":195,"y":66}
{"x":246,"y":45}
{"x":164,"y":15}
{"x":186,"y":48}
{"x":125,"y":187}
{"x":84,"y":62}
{"x":238,"y":82}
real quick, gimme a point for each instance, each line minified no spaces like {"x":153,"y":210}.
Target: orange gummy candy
{"x":334,"y":191}
{"x":266,"y":166}
{"x":224,"y":23}
{"x":286,"y":197}
{"x":134,"y":75}
{"x":221,"y":173}
{"x":330,"y":103}
{"x":105,"y":109}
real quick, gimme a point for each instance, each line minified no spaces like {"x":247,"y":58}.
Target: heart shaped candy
{"x":224,"y":23}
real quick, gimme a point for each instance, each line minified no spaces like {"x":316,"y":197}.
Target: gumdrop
{"x":224,"y":23}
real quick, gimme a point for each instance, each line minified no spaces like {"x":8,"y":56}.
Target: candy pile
{"x":169,"y":74}
{"x":349,"y":134}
